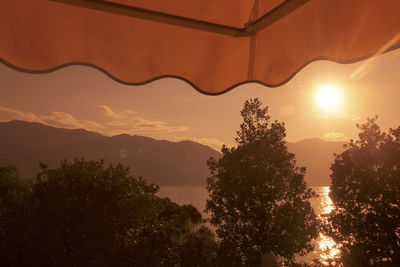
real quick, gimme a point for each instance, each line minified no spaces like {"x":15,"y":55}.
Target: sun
{"x":329,"y":98}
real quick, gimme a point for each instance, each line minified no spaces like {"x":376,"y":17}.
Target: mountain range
{"x":25,"y":144}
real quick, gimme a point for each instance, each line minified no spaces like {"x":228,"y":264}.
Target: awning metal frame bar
{"x":249,"y":29}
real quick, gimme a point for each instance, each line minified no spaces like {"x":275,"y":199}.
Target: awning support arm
{"x":266,"y":20}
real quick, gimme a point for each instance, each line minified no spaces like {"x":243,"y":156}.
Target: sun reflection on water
{"x":329,"y":250}
{"x":326,"y":202}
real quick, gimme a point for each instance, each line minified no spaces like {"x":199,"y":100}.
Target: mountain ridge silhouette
{"x":167,"y":163}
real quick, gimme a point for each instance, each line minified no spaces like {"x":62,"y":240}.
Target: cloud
{"x":136,"y":125}
{"x":144,"y":125}
{"x":66,"y":120}
{"x":118,"y":123}
{"x":13,"y":114}
{"x":211,"y":142}
{"x":106,"y":110}
{"x":55,"y":119}
{"x":335,"y":136}
{"x":126,"y":122}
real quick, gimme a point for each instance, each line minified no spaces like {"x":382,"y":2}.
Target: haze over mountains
{"x":25,"y":144}
{"x":317,"y":156}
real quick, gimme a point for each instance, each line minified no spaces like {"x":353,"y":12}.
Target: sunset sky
{"x":81,"y":97}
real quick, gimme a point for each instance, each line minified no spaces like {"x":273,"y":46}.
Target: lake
{"x":325,"y":247}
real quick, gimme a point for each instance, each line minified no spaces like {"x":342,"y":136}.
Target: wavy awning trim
{"x":42,"y":36}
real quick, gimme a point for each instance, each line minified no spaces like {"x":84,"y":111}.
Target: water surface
{"x":325,"y":249}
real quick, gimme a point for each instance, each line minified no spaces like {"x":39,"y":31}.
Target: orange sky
{"x":81,"y":97}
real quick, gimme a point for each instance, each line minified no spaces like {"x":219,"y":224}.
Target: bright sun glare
{"x":329,"y":98}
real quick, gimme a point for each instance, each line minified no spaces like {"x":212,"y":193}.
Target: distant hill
{"x":317,"y":156}
{"x":25,"y":144}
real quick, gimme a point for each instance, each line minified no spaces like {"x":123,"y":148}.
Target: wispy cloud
{"x":13,"y":114}
{"x":106,"y":110}
{"x":335,"y":136}
{"x":211,"y":142}
{"x":158,"y":126}
{"x":127,"y":122}
{"x":55,"y":119}
{"x":66,"y":120}
{"x":117,"y":122}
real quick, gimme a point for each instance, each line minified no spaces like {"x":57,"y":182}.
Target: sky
{"x":82,"y":97}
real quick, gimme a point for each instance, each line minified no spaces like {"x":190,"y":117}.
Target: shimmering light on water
{"x":329,"y":250}
{"x":326,"y":202}
{"x":326,"y":250}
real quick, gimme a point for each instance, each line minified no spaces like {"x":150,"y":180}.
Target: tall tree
{"x":258,"y":199}
{"x":365,"y":190}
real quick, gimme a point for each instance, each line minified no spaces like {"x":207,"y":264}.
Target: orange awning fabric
{"x":213,"y":45}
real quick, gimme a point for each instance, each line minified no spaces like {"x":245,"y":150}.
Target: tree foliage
{"x":11,"y":198}
{"x":86,"y":214}
{"x":365,"y":190}
{"x":258,"y":199}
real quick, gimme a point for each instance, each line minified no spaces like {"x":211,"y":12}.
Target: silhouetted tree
{"x":86,"y":214}
{"x":258,"y":199}
{"x":11,"y":189}
{"x":200,"y":249}
{"x":171,"y":238}
{"x":365,"y":190}
{"x":12,"y":193}
{"x":82,"y":212}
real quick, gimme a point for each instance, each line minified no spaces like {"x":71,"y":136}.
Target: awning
{"x":213,"y":45}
